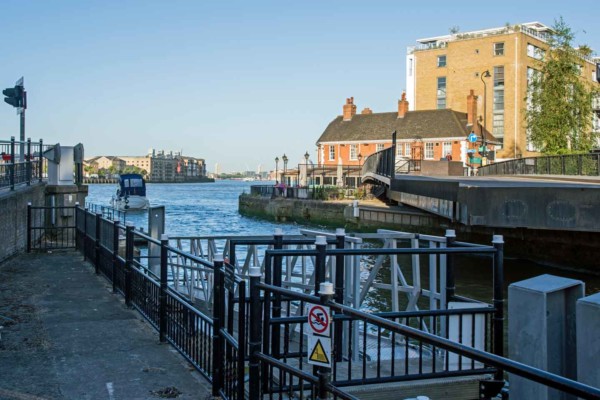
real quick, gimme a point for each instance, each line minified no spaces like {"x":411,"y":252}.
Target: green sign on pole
{"x":475,"y":160}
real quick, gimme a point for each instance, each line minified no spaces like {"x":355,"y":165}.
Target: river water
{"x":211,"y":209}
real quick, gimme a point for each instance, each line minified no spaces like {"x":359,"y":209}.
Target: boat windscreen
{"x":133,"y":186}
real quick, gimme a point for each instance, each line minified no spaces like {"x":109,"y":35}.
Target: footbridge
{"x":546,"y":193}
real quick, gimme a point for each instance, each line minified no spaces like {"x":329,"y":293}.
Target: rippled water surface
{"x":197,"y":209}
{"x":210,"y":209}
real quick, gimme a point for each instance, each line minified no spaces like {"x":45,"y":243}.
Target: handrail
{"x":21,"y":162}
{"x":569,"y":164}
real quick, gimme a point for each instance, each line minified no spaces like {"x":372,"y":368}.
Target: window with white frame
{"x":399,"y":147}
{"x":407,"y":150}
{"x":498,"y":124}
{"x":331,"y":153}
{"x":429,"y":151}
{"x":353,"y":152}
{"x":535,"y":52}
{"x":446,"y":149}
{"x":499,"y":49}
{"x":379,"y":147}
{"x":441,"y":92}
{"x":441,"y":61}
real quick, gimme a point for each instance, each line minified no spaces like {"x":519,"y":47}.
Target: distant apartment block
{"x":159,"y":166}
{"x":441,"y":69}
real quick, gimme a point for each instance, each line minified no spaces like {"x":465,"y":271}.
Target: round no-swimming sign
{"x":319,"y":319}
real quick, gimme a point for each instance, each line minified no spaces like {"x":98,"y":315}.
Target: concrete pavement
{"x":65,"y":335}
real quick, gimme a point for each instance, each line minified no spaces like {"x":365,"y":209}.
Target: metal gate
{"x":51,"y":228}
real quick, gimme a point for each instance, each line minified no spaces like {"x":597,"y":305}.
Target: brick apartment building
{"x":441,"y":69}
{"x":424,"y":135}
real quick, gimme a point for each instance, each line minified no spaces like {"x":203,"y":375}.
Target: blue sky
{"x":235,"y":82}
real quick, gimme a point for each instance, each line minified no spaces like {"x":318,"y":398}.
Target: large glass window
{"x":399,"y":148}
{"x":499,"y":49}
{"x":429,"y":151}
{"x":407,"y":150}
{"x":535,"y":52}
{"x":354,"y":152}
{"x":441,"y":92}
{"x":446,"y":149}
{"x":441,"y":61}
{"x":498,"y":116}
{"x":331,"y":153}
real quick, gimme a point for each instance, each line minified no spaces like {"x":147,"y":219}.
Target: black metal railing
{"x":51,"y":228}
{"x":269,"y":366}
{"x":21,"y":162}
{"x":570,"y":164}
{"x":380,"y":163}
{"x":146,"y":283}
{"x":107,"y":212}
{"x":256,"y":346}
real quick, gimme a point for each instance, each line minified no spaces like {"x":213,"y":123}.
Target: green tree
{"x":559,"y":113}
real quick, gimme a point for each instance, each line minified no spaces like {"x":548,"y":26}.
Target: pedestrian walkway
{"x":65,"y":335}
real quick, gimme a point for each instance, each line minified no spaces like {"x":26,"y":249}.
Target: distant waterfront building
{"x":217,"y":169}
{"x":159,"y":166}
{"x":441,"y":69}
{"x":105,"y":162}
{"x":421,"y":135}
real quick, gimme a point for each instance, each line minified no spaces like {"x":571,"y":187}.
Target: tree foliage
{"x":559,"y":114}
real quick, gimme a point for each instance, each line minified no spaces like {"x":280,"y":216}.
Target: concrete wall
{"x":303,"y":211}
{"x":13,"y":217}
{"x":440,"y":168}
{"x":339,"y":214}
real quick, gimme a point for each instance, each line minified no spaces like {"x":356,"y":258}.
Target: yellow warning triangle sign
{"x":318,"y":354}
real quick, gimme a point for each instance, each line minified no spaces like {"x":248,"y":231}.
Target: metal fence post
{"x":97,"y":243}
{"x":276,"y":310}
{"x":115,"y":254}
{"x":162,"y":302}
{"x":498,"y":242}
{"x":128,"y":261}
{"x":29,"y":227}
{"x":255,"y":333}
{"x":326,"y":294}
{"x":218,"y":353}
{"x":340,"y":236}
{"x":321,"y":246}
{"x":85,"y":233}
{"x":28,"y":162}
{"x":40,"y":160}
{"x":450,"y":284}
{"x":12,"y":163}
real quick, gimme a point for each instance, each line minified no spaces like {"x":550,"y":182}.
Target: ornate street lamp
{"x":285,"y":160}
{"x":484,"y":74}
{"x":359,"y":169}
{"x":306,"y":157}
{"x":276,"y":168}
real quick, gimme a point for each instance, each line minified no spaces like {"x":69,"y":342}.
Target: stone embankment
{"x":13,"y":216}
{"x":368,"y":216}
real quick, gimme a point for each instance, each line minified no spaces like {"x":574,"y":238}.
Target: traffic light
{"x":15,"y":96}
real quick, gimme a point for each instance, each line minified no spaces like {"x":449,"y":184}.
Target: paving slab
{"x":65,"y":335}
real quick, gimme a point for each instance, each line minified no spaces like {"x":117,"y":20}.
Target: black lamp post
{"x":484,"y":74}
{"x":359,"y":169}
{"x":306,"y":157}
{"x":285,"y":160}
{"x":276,"y":168}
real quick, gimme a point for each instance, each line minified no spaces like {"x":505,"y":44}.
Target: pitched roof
{"x":425,"y":124}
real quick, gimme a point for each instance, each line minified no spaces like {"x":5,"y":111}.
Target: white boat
{"x":131,"y":194}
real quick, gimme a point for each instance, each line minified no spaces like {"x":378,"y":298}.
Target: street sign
{"x":475,"y":160}
{"x":319,"y":351}
{"x":319,"y":320}
{"x":472,"y":138}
